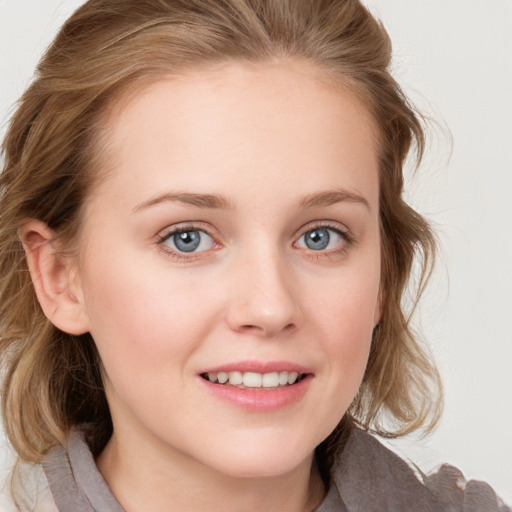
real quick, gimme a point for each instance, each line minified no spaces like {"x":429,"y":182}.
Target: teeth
{"x":254,"y":379}
{"x":222,"y":377}
{"x":283,"y":378}
{"x":235,"y":378}
{"x":292,"y":377}
{"x":270,"y":380}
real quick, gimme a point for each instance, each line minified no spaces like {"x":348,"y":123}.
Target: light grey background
{"x":454,"y":59}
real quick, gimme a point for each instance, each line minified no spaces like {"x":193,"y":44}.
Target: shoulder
{"x":369,"y":476}
{"x":73,"y":478}
{"x":452,"y":489}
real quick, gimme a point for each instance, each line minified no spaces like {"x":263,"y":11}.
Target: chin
{"x":257,"y":459}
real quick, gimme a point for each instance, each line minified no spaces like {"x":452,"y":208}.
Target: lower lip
{"x":259,"y":399}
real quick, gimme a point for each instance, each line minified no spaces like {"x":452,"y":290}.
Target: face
{"x":235,"y":237}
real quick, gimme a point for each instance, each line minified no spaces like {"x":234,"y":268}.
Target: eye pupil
{"x":187,"y":241}
{"x":317,"y":239}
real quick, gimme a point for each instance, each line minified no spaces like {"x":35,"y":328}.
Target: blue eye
{"x":190,"y":240}
{"x":320,"y":239}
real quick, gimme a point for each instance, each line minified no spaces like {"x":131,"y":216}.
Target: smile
{"x":254,"y":380}
{"x":257,"y":386}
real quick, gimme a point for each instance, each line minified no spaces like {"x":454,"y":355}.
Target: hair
{"x":52,"y":380}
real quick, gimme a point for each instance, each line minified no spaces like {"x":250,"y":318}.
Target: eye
{"x":321,"y":239}
{"x":188,"y":240}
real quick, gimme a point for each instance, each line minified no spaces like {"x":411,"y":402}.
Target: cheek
{"x":146,"y":330}
{"x":145,"y":319}
{"x":349,"y":303}
{"x":347,"y":317}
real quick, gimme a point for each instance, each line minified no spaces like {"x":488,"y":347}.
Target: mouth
{"x":255,"y":381}
{"x":258,"y":386}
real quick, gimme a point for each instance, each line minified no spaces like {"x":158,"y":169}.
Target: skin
{"x":265,"y":137}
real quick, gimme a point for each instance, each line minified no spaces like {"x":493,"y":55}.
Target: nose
{"x":264,"y":299}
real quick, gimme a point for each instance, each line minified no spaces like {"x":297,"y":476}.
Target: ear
{"x":55,"y":279}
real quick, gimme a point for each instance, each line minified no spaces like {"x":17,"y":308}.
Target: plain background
{"x":454,"y":60}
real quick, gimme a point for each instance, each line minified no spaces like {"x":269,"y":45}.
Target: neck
{"x":152,"y":482}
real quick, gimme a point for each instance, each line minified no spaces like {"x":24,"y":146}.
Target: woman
{"x":207,"y":198}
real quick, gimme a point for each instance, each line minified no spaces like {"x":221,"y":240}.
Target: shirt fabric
{"x":368,"y":478}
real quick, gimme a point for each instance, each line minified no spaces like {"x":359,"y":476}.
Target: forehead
{"x":278,"y":121}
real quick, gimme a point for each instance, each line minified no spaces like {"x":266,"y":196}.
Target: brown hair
{"x":52,"y":379}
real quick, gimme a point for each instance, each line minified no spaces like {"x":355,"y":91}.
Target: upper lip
{"x":258,"y":367}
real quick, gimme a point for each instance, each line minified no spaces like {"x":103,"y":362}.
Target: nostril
{"x":267,"y":329}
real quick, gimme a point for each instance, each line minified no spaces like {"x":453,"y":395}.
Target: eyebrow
{"x":198,"y":200}
{"x":330,"y":197}
{"x":319,"y":199}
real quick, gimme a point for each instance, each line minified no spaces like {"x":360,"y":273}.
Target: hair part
{"x":53,"y":157}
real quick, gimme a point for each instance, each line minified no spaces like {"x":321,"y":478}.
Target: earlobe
{"x":54,"y":277}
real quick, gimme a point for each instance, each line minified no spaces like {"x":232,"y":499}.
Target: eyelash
{"x":177,"y":255}
{"x":346,"y":236}
{"x":347,"y":239}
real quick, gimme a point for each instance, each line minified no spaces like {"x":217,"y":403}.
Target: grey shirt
{"x":368,"y":478}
